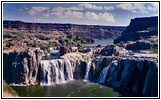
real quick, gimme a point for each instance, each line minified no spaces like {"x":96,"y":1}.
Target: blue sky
{"x":109,"y":14}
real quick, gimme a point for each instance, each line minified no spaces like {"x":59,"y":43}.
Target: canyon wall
{"x":91,"y":31}
{"x":139,"y":28}
{"x":139,"y":76}
{"x":21,"y":68}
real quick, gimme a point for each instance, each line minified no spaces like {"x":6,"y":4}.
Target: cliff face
{"x":136,"y":75}
{"x":21,"y":67}
{"x":138,"y":28}
{"x":92,"y":31}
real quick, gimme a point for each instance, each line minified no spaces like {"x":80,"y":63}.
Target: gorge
{"x":118,"y":72}
{"x":86,"y":70}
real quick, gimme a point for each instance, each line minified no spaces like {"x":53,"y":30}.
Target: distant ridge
{"x":91,"y":31}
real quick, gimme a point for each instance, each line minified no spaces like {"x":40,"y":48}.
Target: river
{"x":75,"y":88}
{"x":102,"y":42}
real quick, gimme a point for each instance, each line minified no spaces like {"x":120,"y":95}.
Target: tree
{"x":69,"y":36}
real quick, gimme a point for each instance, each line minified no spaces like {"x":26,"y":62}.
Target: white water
{"x":103,"y":74}
{"x":55,"y":71}
{"x":54,"y":53}
{"x":87,"y":70}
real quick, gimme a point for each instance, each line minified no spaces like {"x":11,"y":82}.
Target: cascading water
{"x":55,"y":71}
{"x":88,"y":69}
{"x":103,"y":74}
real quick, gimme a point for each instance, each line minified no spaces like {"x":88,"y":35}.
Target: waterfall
{"x":55,"y":71}
{"x":87,"y":70}
{"x":103,"y":74}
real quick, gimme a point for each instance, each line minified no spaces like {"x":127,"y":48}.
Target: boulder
{"x":139,"y":45}
{"x":85,"y":50}
{"x":64,"y":50}
{"x":108,"y":50}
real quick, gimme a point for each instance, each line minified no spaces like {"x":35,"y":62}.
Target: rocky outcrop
{"x":112,"y":50}
{"x":108,"y":50}
{"x":91,"y":31}
{"x":139,"y":28}
{"x":67,"y":49}
{"x":138,"y":76}
{"x":139,"y":45}
{"x":21,"y":67}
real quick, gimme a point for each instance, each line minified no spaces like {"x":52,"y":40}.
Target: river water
{"x":74,"y":88}
{"x":101,"y":42}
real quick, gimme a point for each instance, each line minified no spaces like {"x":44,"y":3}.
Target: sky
{"x":107,"y":14}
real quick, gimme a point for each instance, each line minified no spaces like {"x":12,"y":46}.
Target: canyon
{"x":118,"y":65}
{"x":119,"y":72}
{"x":90,"y":31}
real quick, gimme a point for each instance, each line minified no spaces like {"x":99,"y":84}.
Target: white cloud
{"x":90,"y":6}
{"x":46,"y":14}
{"x":108,"y":7}
{"x":137,"y":7}
{"x":23,"y":9}
{"x":67,"y":8}
{"x":101,"y":16}
{"x":74,"y":12}
{"x":66,"y":13}
{"x":77,"y":14}
{"x":153,"y":7}
{"x":94,"y":7}
{"x":37,"y":10}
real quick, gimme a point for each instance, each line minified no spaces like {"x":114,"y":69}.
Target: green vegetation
{"x":45,"y":57}
{"x":7,"y":88}
{"x":154,"y":49}
{"x":71,"y":40}
{"x":152,"y":41}
{"x":69,"y":36}
{"x":44,"y":47}
{"x":136,"y":51}
{"x":7,"y":36}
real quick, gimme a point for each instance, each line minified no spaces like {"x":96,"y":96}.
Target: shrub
{"x":154,"y":49}
{"x":7,"y":36}
{"x":45,"y":57}
{"x":69,"y":36}
{"x":7,"y":88}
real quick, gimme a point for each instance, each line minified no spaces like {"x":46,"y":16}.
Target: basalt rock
{"x":138,"y":76}
{"x":64,"y":50}
{"x":139,"y":45}
{"x":112,"y":50}
{"x":88,"y":31}
{"x":108,"y":50}
{"x":21,"y":67}
{"x":139,"y":28}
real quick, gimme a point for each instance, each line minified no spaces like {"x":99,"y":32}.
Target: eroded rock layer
{"x":21,"y":68}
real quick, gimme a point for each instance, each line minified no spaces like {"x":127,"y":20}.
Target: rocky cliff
{"x":21,"y":68}
{"x":91,"y":31}
{"x":139,"y":28}
{"x":137,"y":75}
